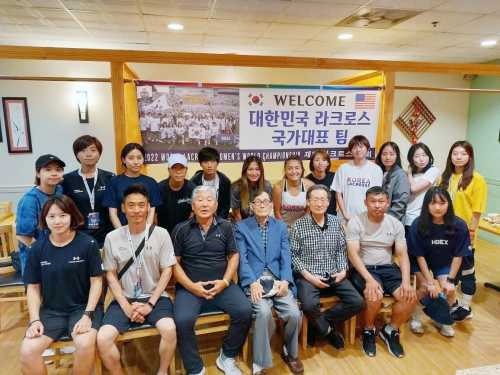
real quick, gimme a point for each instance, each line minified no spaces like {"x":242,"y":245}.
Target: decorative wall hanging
{"x":415,"y":120}
{"x":17,"y":125}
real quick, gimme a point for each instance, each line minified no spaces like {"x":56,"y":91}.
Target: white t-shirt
{"x":353,"y":182}
{"x":415,"y":203}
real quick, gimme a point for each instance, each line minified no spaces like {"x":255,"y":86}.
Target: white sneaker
{"x":46,"y":353}
{"x":445,"y":330}
{"x":228,"y":366}
{"x":416,"y":323}
{"x":67,"y":350}
{"x":200,"y":373}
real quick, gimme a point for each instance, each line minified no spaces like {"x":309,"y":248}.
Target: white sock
{"x":466,"y":301}
{"x":388,"y":329}
{"x":285,"y":350}
{"x":256,"y":368}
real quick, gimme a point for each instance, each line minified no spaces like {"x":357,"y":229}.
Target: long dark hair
{"x":425,"y":220}
{"x":129,"y":147}
{"x":242,"y":182}
{"x":378,"y":160}
{"x":467,"y":174}
{"x":412,"y":151}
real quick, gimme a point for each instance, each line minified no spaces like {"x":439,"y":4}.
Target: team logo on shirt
{"x":439,"y":242}
{"x":44,"y":263}
{"x":184,"y":200}
{"x":77,"y":191}
{"x":358,"y":181}
{"x":76,"y":260}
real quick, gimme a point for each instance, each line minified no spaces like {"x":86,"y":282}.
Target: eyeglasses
{"x":316,"y":201}
{"x":260,"y":203}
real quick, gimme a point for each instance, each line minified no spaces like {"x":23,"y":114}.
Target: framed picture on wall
{"x":17,"y":125}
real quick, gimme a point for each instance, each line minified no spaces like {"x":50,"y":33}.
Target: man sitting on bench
{"x":370,"y":238}
{"x":138,"y":261}
{"x":208,"y":257}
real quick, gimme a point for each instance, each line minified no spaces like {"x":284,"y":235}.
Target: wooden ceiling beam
{"x":155,"y":57}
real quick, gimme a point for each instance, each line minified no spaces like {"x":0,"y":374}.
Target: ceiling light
{"x":488,"y":43}
{"x":175,"y":26}
{"x":345,"y":36}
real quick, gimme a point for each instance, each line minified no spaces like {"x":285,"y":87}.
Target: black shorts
{"x":57,"y":324}
{"x":388,"y":275}
{"x":117,"y":318}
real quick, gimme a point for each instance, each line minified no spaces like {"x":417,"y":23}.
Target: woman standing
{"x":252,"y":177}
{"x":438,"y":240}
{"x":354,"y":178}
{"x":468,"y":191}
{"x":395,"y":179}
{"x":132,"y":156}
{"x":421,"y":176}
{"x":289,"y":194}
{"x":319,"y":165}
{"x":64,"y":277}
{"x":86,"y":187}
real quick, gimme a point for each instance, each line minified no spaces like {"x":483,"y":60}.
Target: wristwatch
{"x":90,"y":314}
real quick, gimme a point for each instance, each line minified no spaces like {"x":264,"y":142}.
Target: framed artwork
{"x":17,"y":125}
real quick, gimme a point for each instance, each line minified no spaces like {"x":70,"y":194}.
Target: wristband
{"x":227,"y":284}
{"x":431,"y":284}
{"x":450,"y":280}
{"x":37,"y":320}
{"x":151,"y":305}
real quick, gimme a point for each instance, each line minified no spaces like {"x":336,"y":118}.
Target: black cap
{"x":43,"y":160}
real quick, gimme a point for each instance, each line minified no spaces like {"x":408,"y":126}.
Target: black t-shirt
{"x":74,"y":188}
{"x":204,"y":259}
{"x":64,"y":272}
{"x":327,"y":181}
{"x":439,"y":249}
{"x":176,"y":206}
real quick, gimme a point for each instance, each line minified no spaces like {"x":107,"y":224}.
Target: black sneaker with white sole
{"x":336,"y":340}
{"x":461,"y":314}
{"x":369,"y":342}
{"x":454,"y":307}
{"x":392,"y":342}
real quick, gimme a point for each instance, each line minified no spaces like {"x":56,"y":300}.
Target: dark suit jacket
{"x":253,"y":258}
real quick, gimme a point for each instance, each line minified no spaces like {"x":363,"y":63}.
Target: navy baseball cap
{"x":43,"y":160}
{"x":437,"y":309}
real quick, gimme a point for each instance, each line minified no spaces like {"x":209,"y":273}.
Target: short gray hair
{"x":201,"y":189}
{"x":319,"y":187}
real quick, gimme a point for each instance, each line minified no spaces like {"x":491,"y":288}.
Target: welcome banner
{"x":272,"y":122}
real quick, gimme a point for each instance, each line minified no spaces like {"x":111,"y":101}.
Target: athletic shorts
{"x":57,"y":324}
{"x":388,"y":275}
{"x":435,"y":271}
{"x":117,"y":318}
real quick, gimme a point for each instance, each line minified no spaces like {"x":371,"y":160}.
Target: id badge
{"x":93,"y":220}
{"x":138,"y":287}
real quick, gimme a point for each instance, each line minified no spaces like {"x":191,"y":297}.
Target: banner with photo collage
{"x":272,"y":122}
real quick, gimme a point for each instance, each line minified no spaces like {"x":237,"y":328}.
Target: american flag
{"x":365,"y":101}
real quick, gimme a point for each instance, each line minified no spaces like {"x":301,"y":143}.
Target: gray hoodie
{"x":398,"y":191}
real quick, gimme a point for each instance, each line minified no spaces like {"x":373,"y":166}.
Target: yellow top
{"x":470,"y":200}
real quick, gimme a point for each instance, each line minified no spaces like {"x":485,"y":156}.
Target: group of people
{"x":286,"y":243}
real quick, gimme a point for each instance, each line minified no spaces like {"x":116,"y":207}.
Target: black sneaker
{"x":461,"y":314}
{"x":336,"y":340}
{"x":454,"y":307}
{"x":312,"y":333}
{"x":369,"y":342}
{"x":392,"y":342}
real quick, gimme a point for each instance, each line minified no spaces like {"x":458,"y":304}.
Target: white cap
{"x":177,"y":159}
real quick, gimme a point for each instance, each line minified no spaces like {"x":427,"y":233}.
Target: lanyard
{"x":91,"y":194}
{"x":454,"y":191}
{"x":132,"y":249}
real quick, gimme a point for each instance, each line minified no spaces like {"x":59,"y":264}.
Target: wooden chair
{"x":6,"y":207}
{"x":11,"y":283}
{"x":64,"y":342}
{"x":325,"y":304}
{"x":246,"y":346}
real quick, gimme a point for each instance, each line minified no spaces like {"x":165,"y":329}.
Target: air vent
{"x":377,"y":18}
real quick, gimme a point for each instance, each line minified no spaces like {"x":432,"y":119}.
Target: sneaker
{"x":461,"y":314}
{"x":444,"y":329}
{"x":68,"y":350}
{"x":369,"y":342}
{"x":416,"y":323}
{"x":454,"y":307}
{"x":392,"y":341}
{"x":336,"y":340}
{"x":47,"y":353}
{"x":228,"y":366}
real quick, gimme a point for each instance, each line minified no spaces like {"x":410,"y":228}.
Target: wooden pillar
{"x":118,"y":93}
{"x":387,"y":109}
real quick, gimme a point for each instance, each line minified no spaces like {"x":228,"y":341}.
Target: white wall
{"x":54,"y":117}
